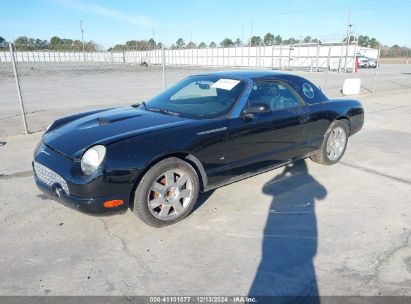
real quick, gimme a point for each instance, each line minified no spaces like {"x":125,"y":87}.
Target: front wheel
{"x":334,"y":144}
{"x":167,"y":193}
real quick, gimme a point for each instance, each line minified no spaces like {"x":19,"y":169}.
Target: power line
{"x":325,"y":10}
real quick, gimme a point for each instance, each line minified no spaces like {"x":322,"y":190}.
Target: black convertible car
{"x":206,"y":131}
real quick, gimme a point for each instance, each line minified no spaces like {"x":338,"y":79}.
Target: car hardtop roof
{"x":248,"y":74}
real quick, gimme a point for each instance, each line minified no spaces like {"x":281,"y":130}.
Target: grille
{"x":50,"y":177}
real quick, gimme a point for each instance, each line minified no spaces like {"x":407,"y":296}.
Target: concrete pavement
{"x":305,"y":229}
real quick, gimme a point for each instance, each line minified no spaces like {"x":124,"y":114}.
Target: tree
{"x":256,"y":41}
{"x":238,"y":42}
{"x":202,"y":45}
{"x":55,"y":43}
{"x":268,"y":39}
{"x":130,"y":44}
{"x":180,"y":44}
{"x":290,"y":41}
{"x":22,"y":43}
{"x":3,"y":43}
{"x":137,"y":45}
{"x":152,"y":43}
{"x":212,"y":44}
{"x":374,"y":43}
{"x":398,"y":51}
{"x":227,"y":42}
{"x":91,"y":46}
{"x":307,"y":39}
{"x":40,"y":44}
{"x":77,"y":45}
{"x":363,"y":41}
{"x":191,"y":45}
{"x":351,"y":39}
{"x":278,"y":40}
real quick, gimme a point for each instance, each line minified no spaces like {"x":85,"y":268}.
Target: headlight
{"x":92,"y":159}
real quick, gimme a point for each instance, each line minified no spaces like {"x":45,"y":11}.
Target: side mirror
{"x":255,"y":109}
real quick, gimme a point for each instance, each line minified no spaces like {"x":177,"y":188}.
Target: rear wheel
{"x":334,"y":144}
{"x":167,"y":193}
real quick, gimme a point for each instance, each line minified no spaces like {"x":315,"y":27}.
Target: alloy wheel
{"x":336,"y":143}
{"x":170,"y":195}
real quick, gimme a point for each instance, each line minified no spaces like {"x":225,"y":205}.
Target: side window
{"x":287,"y":98}
{"x":273,"y":94}
{"x":264,"y":93}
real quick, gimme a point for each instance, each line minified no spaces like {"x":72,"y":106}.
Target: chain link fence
{"x":55,"y":83}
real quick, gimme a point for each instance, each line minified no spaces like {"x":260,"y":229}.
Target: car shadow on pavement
{"x":286,"y":268}
{"x":202,"y":198}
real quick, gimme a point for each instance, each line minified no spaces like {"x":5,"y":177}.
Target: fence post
{"x":311,"y":59}
{"x":257,"y":56}
{"x":327,"y":68}
{"x":318,"y":56}
{"x":249,"y":50}
{"x":354,"y":57}
{"x":163,"y":55}
{"x":341,"y":56}
{"x":281,"y":56}
{"x":272,"y":57}
{"x":212,"y":57}
{"x":242,"y":56}
{"x":235,"y":56}
{"x":328,"y":59}
{"x":23,"y":114}
{"x":376,"y":70}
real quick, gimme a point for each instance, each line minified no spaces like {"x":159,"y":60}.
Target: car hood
{"x":105,"y":127}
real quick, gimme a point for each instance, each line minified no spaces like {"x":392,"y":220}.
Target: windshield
{"x":198,"y":97}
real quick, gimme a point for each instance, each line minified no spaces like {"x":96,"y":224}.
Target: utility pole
{"x":349,"y":25}
{"x":251,"y":29}
{"x":163,"y":63}
{"x":82,"y":33}
{"x":242,"y":41}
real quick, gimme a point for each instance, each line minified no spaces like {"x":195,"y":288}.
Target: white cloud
{"x":139,"y":20}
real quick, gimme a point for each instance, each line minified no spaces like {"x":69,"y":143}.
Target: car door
{"x":265,"y":139}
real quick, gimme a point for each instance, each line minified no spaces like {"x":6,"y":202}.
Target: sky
{"x":111,"y":22}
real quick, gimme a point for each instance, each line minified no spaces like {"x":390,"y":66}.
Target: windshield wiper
{"x":136,"y":105}
{"x":163,"y":111}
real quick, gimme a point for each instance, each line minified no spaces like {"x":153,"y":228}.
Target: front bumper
{"x":86,"y":205}
{"x":53,"y":176}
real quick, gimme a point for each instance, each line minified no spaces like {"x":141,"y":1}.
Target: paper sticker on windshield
{"x":225,"y":84}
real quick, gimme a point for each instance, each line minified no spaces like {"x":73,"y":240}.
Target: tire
{"x":167,"y":193}
{"x":325,"y":156}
